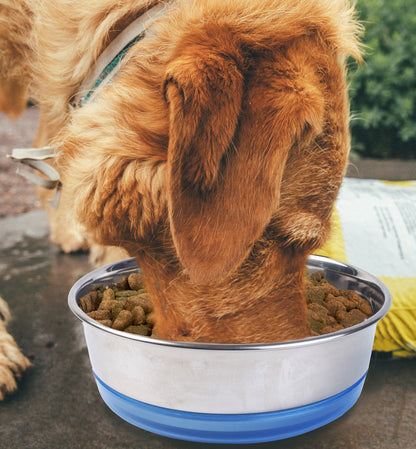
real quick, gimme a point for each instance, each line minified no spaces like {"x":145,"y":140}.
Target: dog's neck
{"x":110,"y":59}
{"x":125,"y":33}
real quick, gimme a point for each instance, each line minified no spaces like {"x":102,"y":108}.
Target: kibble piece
{"x":123,"y":283}
{"x":150,"y":318}
{"x":329,"y":289}
{"x":107,"y":304}
{"x":107,"y":323}
{"x":100,"y":314}
{"x":318,"y":312}
{"x":331,"y":328}
{"x":135,"y":281}
{"x":349,"y":298}
{"x":365,"y":307}
{"x":341,"y":315}
{"x":142,"y":300}
{"x":333,"y":305}
{"x":315,"y":327}
{"x":317,"y":277}
{"x":108,"y":295}
{"x":123,"y":320}
{"x":139,"y":316}
{"x":118,"y":307}
{"x":352,"y":317}
{"x":317,"y":317}
{"x":126,"y":293}
{"x":138,"y":330}
{"x":89,"y":302}
{"x":315,"y":294}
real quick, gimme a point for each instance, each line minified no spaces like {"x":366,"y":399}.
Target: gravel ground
{"x":17,"y":194}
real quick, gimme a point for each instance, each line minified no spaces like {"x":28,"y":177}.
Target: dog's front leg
{"x":12,"y":361}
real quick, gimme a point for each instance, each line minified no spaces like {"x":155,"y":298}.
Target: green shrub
{"x":383,"y":88}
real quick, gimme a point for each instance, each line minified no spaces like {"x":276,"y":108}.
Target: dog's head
{"x":248,"y":136}
{"x":258,"y":139}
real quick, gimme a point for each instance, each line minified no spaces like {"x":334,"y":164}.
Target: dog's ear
{"x":228,"y":144}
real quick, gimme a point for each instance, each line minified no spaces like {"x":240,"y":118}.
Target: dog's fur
{"x":214,"y":157}
{"x":12,"y":361}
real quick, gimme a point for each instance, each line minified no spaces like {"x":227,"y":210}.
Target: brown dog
{"x":214,"y":156}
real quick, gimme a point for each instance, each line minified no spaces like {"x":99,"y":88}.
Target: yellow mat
{"x":374,"y":228}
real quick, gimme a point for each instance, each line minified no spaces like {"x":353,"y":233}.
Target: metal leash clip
{"x":35,"y":158}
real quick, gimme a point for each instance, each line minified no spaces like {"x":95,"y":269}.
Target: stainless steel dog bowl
{"x":225,"y":393}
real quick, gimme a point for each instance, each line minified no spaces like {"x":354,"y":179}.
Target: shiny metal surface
{"x":248,"y":378}
{"x":339,"y":274}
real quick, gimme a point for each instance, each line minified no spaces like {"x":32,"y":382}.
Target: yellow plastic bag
{"x":374,"y":228}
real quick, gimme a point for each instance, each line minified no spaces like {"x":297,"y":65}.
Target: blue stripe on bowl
{"x":230,"y":428}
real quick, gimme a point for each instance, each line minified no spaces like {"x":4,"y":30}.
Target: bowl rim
{"x":319,"y":261}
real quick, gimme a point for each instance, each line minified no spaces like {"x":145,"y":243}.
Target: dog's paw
{"x":12,"y":362}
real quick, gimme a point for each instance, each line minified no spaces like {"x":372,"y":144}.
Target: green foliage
{"x":383,"y":88}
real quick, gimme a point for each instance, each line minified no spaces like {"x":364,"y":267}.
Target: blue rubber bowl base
{"x":230,"y":428}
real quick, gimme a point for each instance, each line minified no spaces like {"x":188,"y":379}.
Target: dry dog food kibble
{"x":125,"y":306}
{"x":330,"y":309}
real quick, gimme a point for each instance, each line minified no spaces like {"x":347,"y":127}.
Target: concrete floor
{"x":58,"y":405}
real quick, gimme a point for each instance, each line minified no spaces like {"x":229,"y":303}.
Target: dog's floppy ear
{"x":228,"y":146}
